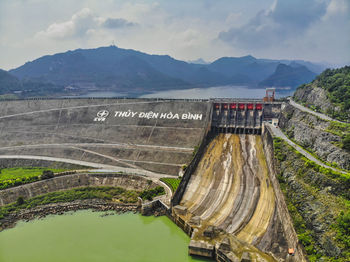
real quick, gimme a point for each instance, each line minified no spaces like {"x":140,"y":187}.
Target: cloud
{"x":113,"y":23}
{"x":81,"y":24}
{"x":316,"y":30}
{"x":282,"y":21}
{"x":311,"y":30}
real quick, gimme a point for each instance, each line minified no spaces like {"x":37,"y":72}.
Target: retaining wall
{"x":191,"y":168}
{"x":129,"y":182}
{"x":287,"y":224}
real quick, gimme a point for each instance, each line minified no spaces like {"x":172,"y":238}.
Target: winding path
{"x":307,"y":110}
{"x":141,"y":172}
{"x":278,"y":133}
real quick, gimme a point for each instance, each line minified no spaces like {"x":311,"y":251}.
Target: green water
{"x":86,"y":236}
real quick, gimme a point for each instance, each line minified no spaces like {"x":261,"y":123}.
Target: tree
{"x":20,"y":201}
{"x":47,"y":174}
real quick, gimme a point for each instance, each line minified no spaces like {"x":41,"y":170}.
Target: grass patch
{"x":173,"y":183}
{"x":8,"y":96}
{"x":27,"y":172}
{"x":339,"y":129}
{"x":10,"y":177}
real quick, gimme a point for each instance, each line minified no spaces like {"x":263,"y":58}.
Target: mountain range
{"x":129,"y":71}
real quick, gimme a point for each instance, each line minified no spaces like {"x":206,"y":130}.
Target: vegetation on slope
{"x":116,"y":194}
{"x":318,"y":200}
{"x":173,"y":183}
{"x":10,"y":177}
{"x":336,"y":83}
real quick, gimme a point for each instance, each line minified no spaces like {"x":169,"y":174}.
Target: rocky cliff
{"x":328,"y":93}
{"x":323,"y":138}
{"x":318,"y":202}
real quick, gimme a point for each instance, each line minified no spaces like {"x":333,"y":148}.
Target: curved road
{"x":278,"y":133}
{"x":89,"y":164}
{"x":307,"y":110}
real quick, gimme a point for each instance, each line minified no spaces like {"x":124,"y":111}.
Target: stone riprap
{"x":154,"y":135}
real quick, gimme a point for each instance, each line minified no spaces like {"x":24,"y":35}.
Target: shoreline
{"x":60,"y":208}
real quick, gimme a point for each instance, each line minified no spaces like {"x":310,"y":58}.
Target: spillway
{"x":230,"y":193}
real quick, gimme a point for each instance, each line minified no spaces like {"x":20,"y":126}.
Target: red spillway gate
{"x":233,"y":106}
{"x":224,"y":106}
{"x":250,"y":106}
{"x":241,"y":106}
{"x":258,"y":106}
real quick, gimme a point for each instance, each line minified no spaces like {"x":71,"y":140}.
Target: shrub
{"x":47,"y":174}
{"x":20,"y":201}
{"x":151,"y":193}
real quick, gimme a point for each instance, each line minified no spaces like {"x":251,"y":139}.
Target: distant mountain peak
{"x":289,"y":76}
{"x":118,"y":69}
{"x":199,"y":61}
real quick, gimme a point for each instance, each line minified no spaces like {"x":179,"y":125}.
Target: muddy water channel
{"x":93,"y":236}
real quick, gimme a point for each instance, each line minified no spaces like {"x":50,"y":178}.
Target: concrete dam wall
{"x":230,"y":200}
{"x":154,"y":135}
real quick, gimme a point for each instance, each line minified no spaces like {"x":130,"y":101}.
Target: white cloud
{"x":81,"y":24}
{"x":187,"y":30}
{"x":335,"y":8}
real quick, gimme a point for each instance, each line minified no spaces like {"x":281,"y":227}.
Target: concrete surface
{"x":144,"y":134}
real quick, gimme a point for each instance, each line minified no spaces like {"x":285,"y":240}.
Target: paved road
{"x":278,"y":133}
{"x":89,"y":164}
{"x":307,"y":110}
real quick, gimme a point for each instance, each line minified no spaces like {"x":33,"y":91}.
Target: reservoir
{"x":94,"y":236}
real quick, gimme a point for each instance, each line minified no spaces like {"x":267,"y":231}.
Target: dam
{"x":228,"y":202}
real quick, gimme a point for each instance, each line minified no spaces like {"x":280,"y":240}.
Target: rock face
{"x":313,"y":134}
{"x":329,"y":93}
{"x":315,"y":200}
{"x":313,"y":96}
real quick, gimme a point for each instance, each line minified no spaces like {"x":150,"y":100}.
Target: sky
{"x":313,"y":30}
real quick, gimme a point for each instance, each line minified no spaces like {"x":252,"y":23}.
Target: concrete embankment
{"x":232,"y":206}
{"x":129,"y":182}
{"x":230,"y":196}
{"x":287,"y":225}
{"x":154,"y":135}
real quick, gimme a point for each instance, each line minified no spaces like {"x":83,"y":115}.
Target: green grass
{"x":116,"y":194}
{"x":10,"y":177}
{"x":8,"y":96}
{"x":339,"y":129}
{"x":173,"y":183}
{"x":27,"y":172}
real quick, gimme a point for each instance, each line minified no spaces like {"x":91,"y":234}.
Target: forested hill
{"x":12,"y":87}
{"x":328,"y":93}
{"x":289,"y":76}
{"x":118,"y":69}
